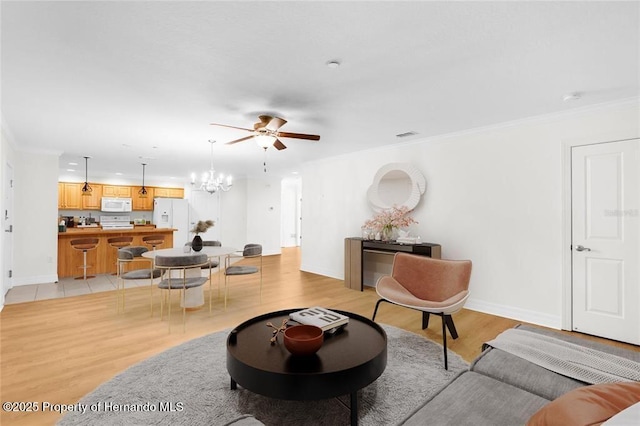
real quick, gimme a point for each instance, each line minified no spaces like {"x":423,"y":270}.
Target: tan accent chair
{"x":250,"y":251}
{"x":432,"y":286}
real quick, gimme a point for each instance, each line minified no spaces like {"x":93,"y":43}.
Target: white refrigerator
{"x":173,"y":213}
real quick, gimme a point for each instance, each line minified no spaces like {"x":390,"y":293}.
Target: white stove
{"x":115,"y":222}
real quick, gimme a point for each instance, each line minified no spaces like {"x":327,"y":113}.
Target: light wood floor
{"x":61,"y":349}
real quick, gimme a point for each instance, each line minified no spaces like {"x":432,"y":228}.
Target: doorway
{"x":205,"y":206}
{"x":291,"y":212}
{"x":7,"y":225}
{"x":605,"y":240}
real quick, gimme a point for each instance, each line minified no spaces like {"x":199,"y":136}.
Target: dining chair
{"x":180,"y":264}
{"x":250,"y":251}
{"x":432,"y":286}
{"x":118,"y":243}
{"x":212,"y":264}
{"x":126,"y":257}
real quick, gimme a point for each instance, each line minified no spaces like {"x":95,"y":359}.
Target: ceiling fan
{"x":266,"y":132}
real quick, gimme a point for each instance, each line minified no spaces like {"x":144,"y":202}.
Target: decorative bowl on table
{"x":303,"y":339}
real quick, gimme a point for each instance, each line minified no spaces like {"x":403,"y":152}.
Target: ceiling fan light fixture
{"x":265,"y":141}
{"x":86,"y":188}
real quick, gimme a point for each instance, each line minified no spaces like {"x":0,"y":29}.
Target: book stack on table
{"x":327,"y":320}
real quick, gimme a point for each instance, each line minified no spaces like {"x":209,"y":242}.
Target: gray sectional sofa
{"x":502,"y":389}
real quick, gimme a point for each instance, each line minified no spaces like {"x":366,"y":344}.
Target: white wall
{"x":250,"y":213}
{"x":7,"y":156}
{"x":233,"y":215}
{"x":263,"y":213}
{"x":290,"y":219}
{"x":35,"y":237}
{"x":494,"y":196}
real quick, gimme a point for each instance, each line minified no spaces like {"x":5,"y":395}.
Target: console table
{"x":354,"y":249}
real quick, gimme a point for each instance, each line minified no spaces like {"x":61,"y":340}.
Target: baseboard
{"x":532,"y":317}
{"x":39,"y":279}
{"x":338,"y":275}
{"x":525,"y":315}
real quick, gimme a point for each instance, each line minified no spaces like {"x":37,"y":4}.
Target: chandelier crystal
{"x":210,"y":182}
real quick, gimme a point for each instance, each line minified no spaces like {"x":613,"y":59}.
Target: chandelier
{"x":210,"y":182}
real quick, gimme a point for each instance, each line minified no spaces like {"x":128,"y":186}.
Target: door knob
{"x":582,"y":248}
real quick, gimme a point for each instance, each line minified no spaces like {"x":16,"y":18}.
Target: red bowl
{"x":303,"y":339}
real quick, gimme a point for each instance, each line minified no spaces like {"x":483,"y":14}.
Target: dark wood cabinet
{"x":356,"y":248}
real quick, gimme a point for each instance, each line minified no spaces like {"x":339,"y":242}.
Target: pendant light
{"x":142,"y":192}
{"x":86,"y":188}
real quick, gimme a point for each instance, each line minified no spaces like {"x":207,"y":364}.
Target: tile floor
{"x":67,"y":287}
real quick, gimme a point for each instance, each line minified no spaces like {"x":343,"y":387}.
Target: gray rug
{"x":192,"y":380}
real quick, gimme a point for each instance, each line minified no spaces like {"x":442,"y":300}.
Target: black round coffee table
{"x":346,"y":362}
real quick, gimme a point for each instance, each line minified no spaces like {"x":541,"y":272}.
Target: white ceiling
{"x":117,"y":81}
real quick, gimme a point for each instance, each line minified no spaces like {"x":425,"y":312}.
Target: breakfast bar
{"x":103,"y":258}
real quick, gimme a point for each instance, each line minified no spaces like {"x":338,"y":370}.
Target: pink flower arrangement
{"x":386,"y":220}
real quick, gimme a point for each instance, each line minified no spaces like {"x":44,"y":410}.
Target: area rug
{"x":189,"y":385}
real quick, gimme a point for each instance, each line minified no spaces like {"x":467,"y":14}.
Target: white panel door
{"x":205,"y":206}
{"x":605,"y":181}
{"x":7,"y":224}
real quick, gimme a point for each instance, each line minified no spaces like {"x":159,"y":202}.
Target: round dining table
{"x":193,"y":297}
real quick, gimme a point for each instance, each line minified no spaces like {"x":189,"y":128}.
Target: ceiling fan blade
{"x":298,"y":136}
{"x":275,"y":123}
{"x":279,"y":145}
{"x":239,"y":140}
{"x":231,"y":127}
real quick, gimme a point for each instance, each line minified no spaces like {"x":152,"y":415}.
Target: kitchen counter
{"x":103,"y":259}
{"x":91,"y":231}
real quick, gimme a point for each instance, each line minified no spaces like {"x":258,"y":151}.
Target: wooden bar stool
{"x":153,"y":240}
{"x":118,"y":243}
{"x":84,"y":244}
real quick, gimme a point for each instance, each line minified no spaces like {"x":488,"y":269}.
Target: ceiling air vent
{"x":406,"y":134}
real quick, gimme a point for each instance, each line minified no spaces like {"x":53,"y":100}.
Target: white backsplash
{"x":95,"y":214}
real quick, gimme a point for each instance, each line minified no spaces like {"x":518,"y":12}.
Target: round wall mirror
{"x":398,"y":184}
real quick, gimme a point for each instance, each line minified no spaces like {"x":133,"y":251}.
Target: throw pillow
{"x":588,"y":405}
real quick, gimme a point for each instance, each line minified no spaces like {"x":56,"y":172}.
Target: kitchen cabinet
{"x":142,"y":203}
{"x":69,"y":196}
{"x":103,"y":258}
{"x":92,"y":201}
{"x":168,"y":192}
{"x":116,"y":191}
